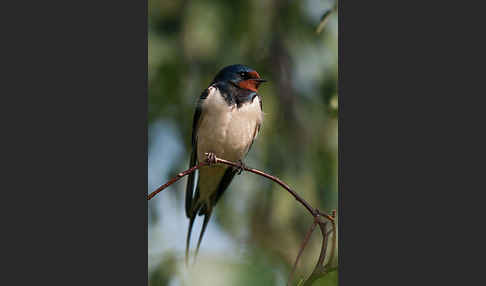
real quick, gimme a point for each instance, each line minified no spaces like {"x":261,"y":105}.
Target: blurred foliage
{"x":189,"y":42}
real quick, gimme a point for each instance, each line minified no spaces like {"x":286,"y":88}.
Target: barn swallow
{"x":227,"y":120}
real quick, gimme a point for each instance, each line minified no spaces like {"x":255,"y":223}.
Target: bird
{"x":227,"y":120}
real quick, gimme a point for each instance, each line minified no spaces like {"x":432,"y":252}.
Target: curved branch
{"x":306,"y":239}
{"x":316,"y":213}
{"x":175,"y":179}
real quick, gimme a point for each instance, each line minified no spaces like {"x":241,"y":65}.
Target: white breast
{"x":227,"y":131}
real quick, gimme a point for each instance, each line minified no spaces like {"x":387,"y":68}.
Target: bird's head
{"x":240,"y":76}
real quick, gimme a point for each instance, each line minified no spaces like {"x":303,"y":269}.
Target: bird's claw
{"x":241,"y":167}
{"x":210,"y":158}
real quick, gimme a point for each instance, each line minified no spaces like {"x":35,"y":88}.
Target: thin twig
{"x":306,"y":239}
{"x":175,"y":179}
{"x":325,"y":17}
{"x":319,"y":266}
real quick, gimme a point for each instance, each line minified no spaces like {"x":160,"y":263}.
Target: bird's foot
{"x":241,"y":167}
{"x":210,"y":158}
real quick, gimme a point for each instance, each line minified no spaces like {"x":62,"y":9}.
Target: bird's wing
{"x":195,"y":125}
{"x":191,"y":194}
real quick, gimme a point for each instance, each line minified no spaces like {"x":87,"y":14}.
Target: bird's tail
{"x":192,"y":217}
{"x":200,"y":208}
{"x":191,"y":223}
{"x":207,"y":216}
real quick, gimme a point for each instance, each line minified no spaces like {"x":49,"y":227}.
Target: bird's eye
{"x":243,"y":74}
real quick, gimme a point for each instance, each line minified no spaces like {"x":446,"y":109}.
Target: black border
{"x":76,"y":177}
{"x":401,"y":190}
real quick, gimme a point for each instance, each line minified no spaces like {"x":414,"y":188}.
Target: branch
{"x":177,"y":178}
{"x":306,"y":239}
{"x":325,"y":17}
{"x":316,"y":213}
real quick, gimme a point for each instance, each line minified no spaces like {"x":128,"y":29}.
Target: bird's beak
{"x":260,"y":80}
